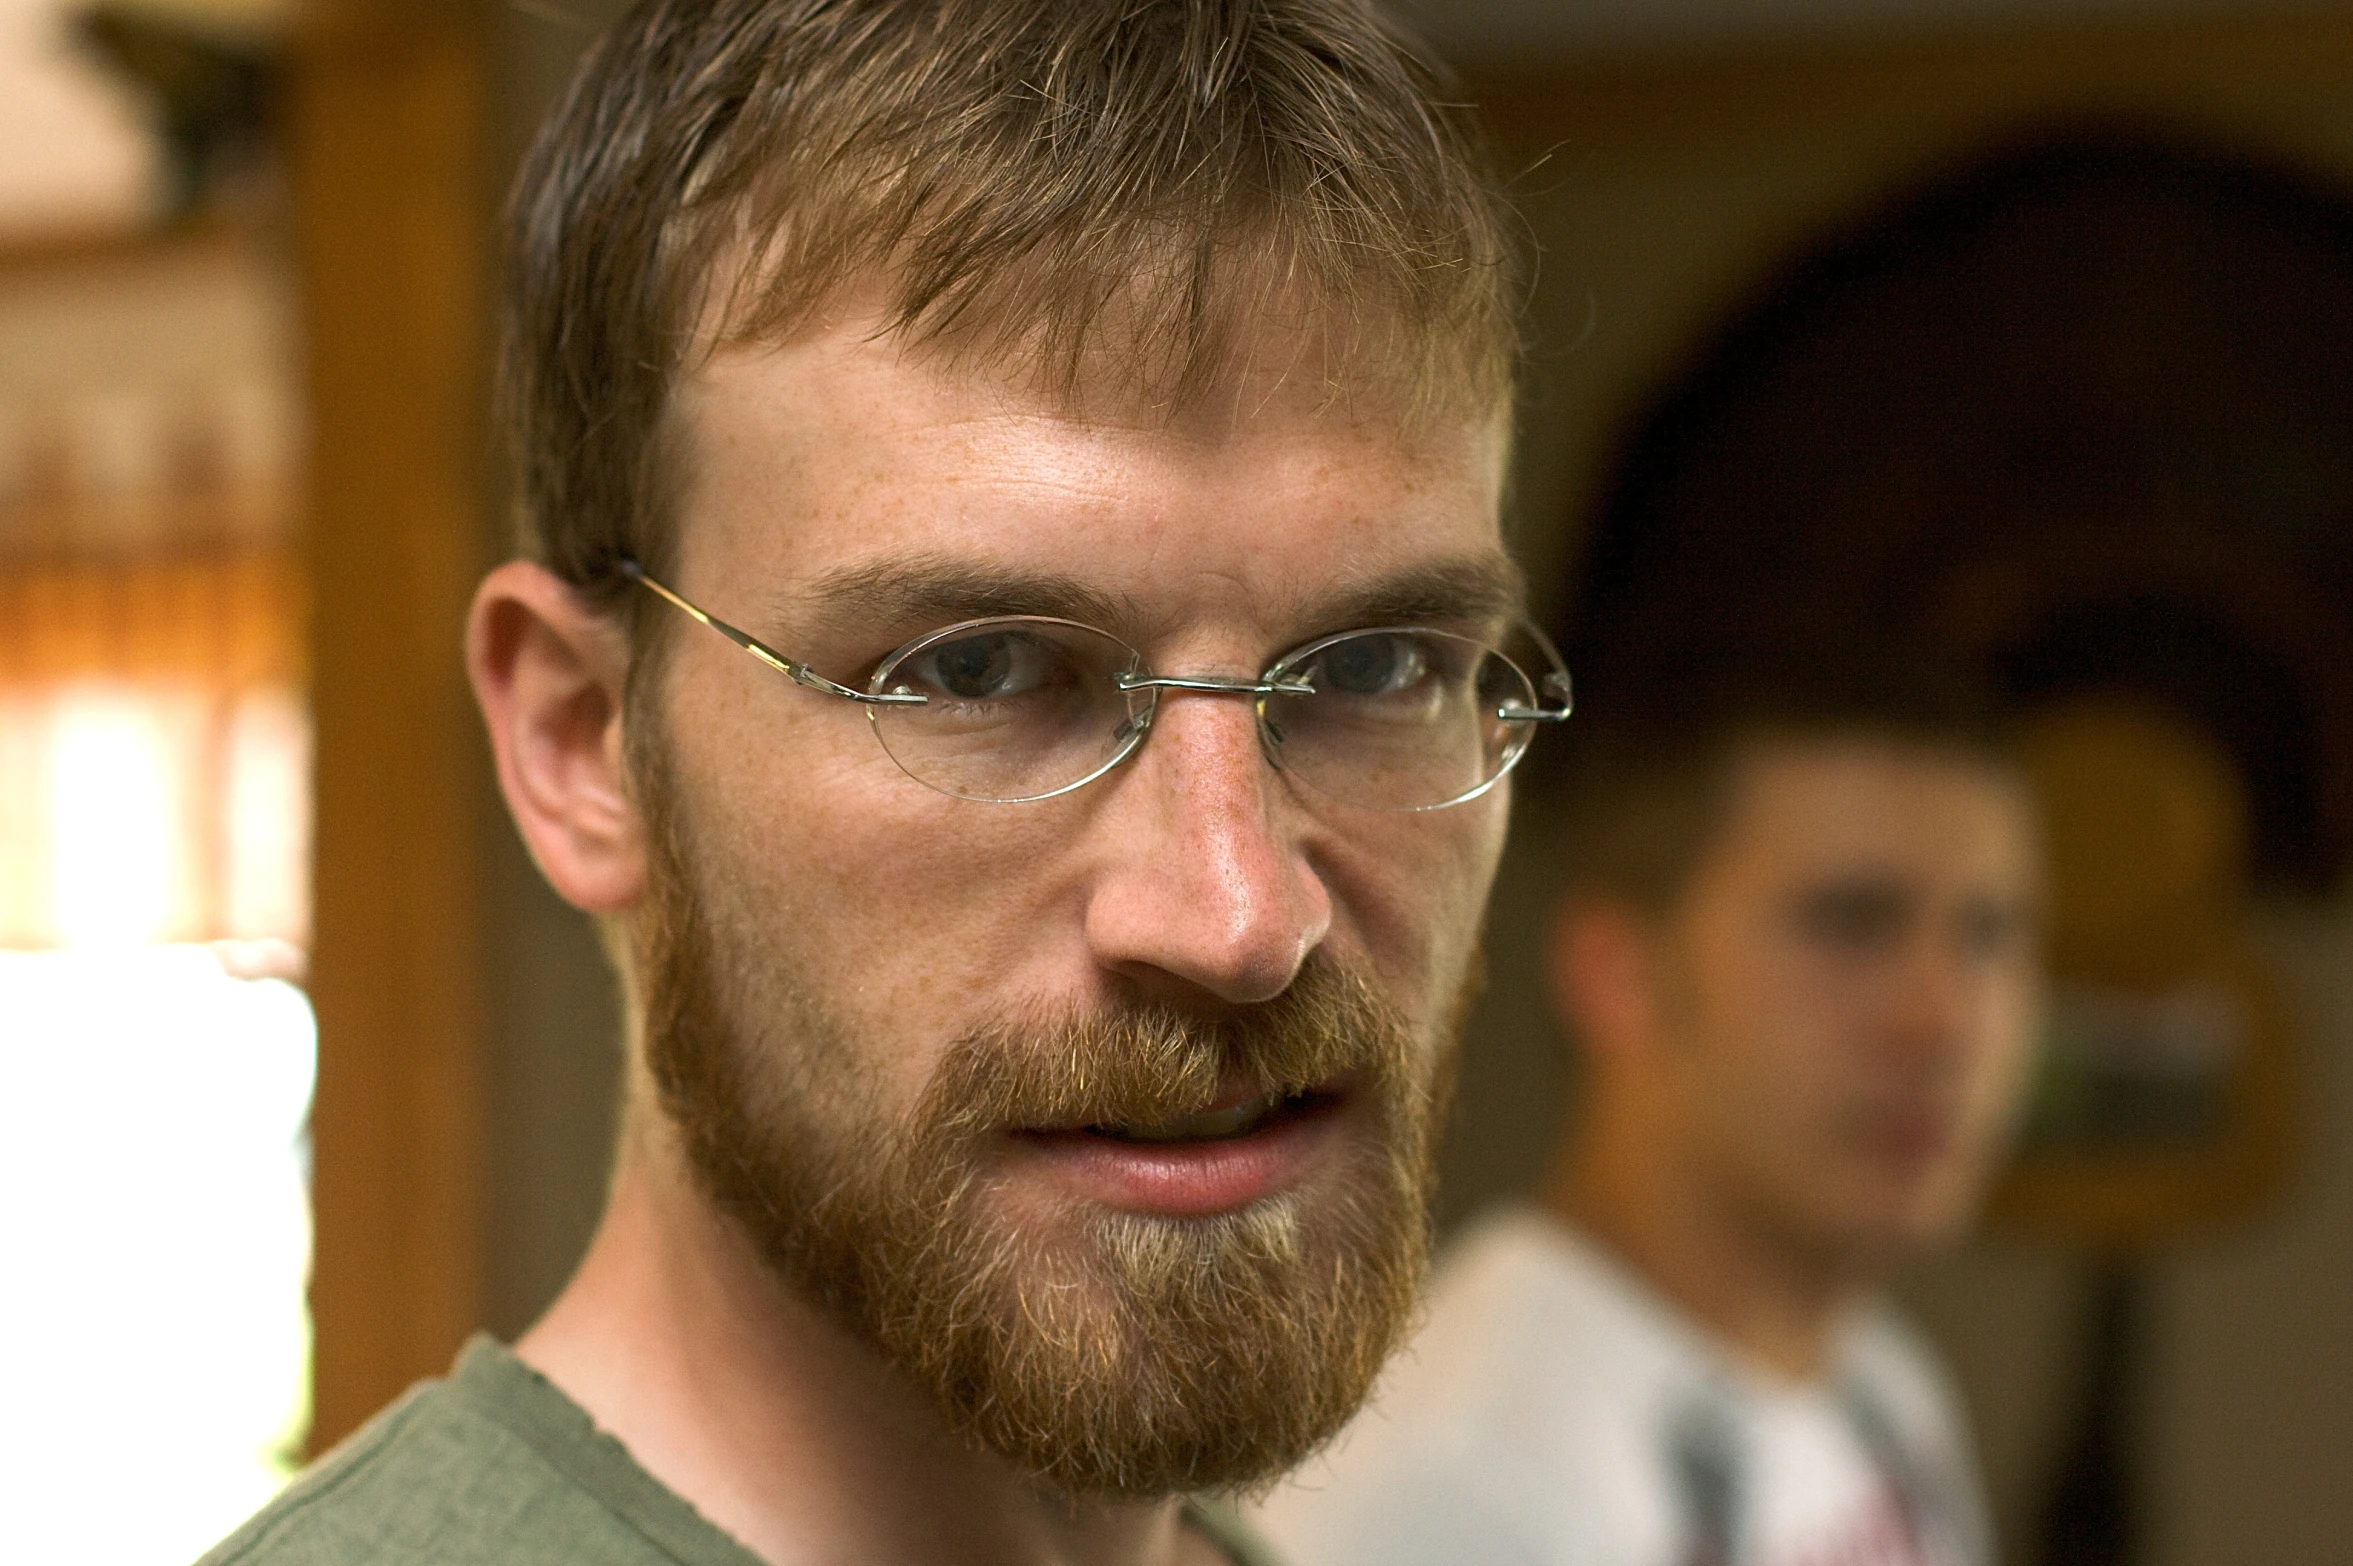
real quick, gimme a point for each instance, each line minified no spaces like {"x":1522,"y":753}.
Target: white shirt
{"x":1555,"y":1411}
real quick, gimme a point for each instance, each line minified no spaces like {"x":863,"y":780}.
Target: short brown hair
{"x":1643,"y":802}
{"x":1017,"y":175}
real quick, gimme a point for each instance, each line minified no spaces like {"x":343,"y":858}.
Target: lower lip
{"x":1913,"y":1139}
{"x":1187,"y":1179}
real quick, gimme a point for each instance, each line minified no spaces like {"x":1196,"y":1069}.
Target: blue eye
{"x":995,"y":666}
{"x":1856,"y":917}
{"x":1379,"y":664}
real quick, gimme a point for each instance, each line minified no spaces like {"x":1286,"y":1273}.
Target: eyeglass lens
{"x":1400,"y":720}
{"x":1013,"y":709}
{"x":1020,"y":709}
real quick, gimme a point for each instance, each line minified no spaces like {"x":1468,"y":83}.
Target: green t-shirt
{"x":495,"y":1465}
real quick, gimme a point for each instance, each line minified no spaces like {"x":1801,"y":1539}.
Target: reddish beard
{"x":1105,"y":1353}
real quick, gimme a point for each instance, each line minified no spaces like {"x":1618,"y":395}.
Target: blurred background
{"x":2021,"y":327}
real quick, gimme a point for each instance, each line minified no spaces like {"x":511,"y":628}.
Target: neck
{"x":776,"y":1425}
{"x":1774,"y":1299}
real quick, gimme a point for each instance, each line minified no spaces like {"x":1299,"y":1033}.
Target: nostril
{"x":1208,"y":891}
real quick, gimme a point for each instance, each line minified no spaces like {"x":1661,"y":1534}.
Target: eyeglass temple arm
{"x":1557,"y":695}
{"x":792,"y":669}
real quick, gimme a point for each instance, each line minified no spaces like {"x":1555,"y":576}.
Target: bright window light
{"x":154,"y":1099}
{"x":267,"y":819}
{"x":116,"y":855}
{"x":154,"y":1208}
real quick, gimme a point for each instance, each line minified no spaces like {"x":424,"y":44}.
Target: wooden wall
{"x":389,"y":146}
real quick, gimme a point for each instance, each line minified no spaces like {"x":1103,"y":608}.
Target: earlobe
{"x":548,"y":672}
{"x":1599,"y":963}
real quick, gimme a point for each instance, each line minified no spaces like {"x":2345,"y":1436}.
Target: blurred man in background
{"x":1044,"y":951}
{"x":1798,"y":949}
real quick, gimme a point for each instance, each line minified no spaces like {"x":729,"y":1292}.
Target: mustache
{"x":1149,"y":1061}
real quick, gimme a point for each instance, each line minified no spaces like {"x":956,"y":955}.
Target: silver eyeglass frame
{"x":1555,"y":686}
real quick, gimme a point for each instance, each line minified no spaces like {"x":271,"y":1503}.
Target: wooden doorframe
{"x":390,"y":139}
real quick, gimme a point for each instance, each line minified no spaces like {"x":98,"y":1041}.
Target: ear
{"x":548,"y":672}
{"x":1603,"y":968}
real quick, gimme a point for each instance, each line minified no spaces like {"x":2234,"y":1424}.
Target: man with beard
{"x":1043,"y":950}
{"x":1797,"y":950}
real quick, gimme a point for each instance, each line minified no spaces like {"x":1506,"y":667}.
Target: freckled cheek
{"x":1843,"y":1012}
{"x":914,"y":913}
{"x":1799,"y":1043}
{"x":1408,"y":896}
{"x":1761,"y":988}
{"x":2004,"y":1044}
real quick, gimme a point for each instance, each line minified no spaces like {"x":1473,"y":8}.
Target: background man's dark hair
{"x":1644,"y":791}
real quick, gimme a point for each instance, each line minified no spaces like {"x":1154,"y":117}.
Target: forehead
{"x":1808,"y":810}
{"x":843,"y":451}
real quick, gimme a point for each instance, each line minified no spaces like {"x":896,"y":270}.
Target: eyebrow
{"x":935,"y":588}
{"x":1485,"y":590}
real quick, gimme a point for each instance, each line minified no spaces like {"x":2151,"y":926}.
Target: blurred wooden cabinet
{"x":390,"y":144}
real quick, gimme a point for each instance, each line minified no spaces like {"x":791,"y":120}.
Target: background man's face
{"x":1850,"y":986}
{"x":854,"y":961}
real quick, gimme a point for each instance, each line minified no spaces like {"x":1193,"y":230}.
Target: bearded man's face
{"x":1108,"y":1118}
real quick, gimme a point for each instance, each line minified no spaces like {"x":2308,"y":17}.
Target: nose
{"x":1939,"y":997}
{"x":1202,"y":883}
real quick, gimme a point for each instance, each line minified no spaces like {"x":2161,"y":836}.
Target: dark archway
{"x":2081,"y":413}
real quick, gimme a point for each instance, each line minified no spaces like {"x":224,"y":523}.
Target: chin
{"x":1902,"y":1230}
{"x":1882,"y":1219}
